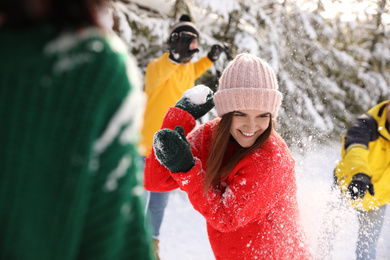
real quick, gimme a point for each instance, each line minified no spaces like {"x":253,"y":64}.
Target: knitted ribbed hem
{"x":229,"y":100}
{"x":176,"y":116}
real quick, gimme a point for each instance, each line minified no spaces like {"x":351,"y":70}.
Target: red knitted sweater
{"x":255,"y":214}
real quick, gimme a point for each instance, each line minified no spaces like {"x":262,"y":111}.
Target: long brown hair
{"x":215,"y":172}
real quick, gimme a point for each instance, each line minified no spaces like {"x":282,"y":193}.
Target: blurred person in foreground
{"x":166,"y":79}
{"x":363,"y":176}
{"x":69,"y":99}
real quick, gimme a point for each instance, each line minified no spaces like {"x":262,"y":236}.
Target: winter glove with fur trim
{"x":217,"y":49}
{"x":197,"y":101}
{"x":359,"y":185}
{"x":180,"y":46}
{"x":173,"y":150}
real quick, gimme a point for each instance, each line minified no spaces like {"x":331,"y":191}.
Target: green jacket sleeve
{"x":115,"y":224}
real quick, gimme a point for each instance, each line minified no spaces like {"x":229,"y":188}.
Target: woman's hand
{"x":173,"y":150}
{"x":197,"y":101}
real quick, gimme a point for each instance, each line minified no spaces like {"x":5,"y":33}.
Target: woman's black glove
{"x":359,"y":185}
{"x":180,"y":46}
{"x":197,"y":101}
{"x":173,"y":150}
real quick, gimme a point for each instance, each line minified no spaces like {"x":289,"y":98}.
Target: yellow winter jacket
{"x":366,"y":149}
{"x":165,"y":83}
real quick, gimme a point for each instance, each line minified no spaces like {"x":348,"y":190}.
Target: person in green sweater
{"x":69,"y":114}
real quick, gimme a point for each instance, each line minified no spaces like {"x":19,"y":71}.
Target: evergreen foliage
{"x":329,"y":69}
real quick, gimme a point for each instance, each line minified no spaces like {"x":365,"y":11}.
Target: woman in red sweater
{"x":238,"y":172}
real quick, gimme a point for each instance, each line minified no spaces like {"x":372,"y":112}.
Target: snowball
{"x":198,"y":94}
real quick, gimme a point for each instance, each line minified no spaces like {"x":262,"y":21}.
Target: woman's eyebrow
{"x":239,"y":112}
{"x":265,"y":114}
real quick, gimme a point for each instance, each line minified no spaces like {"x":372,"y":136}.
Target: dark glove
{"x":180,"y":46}
{"x":216,"y":50}
{"x":359,"y":185}
{"x":196,"y":110}
{"x":173,"y":150}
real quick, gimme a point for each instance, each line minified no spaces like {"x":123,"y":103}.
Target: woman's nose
{"x":252,"y":126}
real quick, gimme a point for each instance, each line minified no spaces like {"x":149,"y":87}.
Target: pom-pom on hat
{"x":248,"y":83}
{"x":185,"y":25}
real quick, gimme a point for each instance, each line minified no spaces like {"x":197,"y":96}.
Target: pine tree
{"x":329,"y":69}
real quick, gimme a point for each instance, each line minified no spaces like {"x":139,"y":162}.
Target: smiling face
{"x":248,"y":125}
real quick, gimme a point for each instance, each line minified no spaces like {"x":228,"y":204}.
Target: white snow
{"x":157,"y":145}
{"x":184,"y":236}
{"x":160,"y":6}
{"x":124,"y":29}
{"x":310,"y":31}
{"x":112,"y":179}
{"x":227,"y":196}
{"x":221,"y":7}
{"x":198,"y":94}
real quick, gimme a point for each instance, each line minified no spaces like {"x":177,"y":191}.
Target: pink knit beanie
{"x":248,"y":83}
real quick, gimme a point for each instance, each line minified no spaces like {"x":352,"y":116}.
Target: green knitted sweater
{"x":69,"y":178}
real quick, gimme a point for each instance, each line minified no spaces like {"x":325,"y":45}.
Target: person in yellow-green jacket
{"x":363,"y":174}
{"x":166,"y":79}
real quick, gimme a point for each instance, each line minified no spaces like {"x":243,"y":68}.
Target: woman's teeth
{"x":248,"y":134}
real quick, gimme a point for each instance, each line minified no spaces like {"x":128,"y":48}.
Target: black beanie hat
{"x":185,"y":25}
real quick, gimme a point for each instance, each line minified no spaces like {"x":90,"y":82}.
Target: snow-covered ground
{"x":184,"y":235}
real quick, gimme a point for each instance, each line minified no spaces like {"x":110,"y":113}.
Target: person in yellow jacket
{"x":363,"y":174}
{"x":166,"y":79}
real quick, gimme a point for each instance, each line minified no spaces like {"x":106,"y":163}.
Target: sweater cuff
{"x":176,"y":116}
{"x":191,"y":181}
